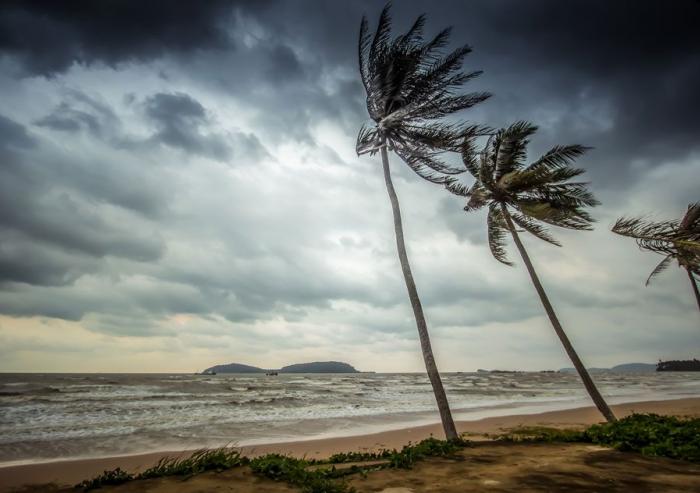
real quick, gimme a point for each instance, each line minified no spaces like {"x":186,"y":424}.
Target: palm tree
{"x":410,"y":87}
{"x":530,"y":196}
{"x":678,"y":240}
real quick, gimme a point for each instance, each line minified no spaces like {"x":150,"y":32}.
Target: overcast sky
{"x":179,"y":187}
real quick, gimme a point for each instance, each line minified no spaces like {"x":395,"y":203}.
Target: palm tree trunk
{"x":580,"y":368}
{"x":694,"y":283}
{"x":430,"y":366}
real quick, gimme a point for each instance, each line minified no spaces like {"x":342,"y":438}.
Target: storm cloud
{"x":47,"y":37}
{"x":182,"y":177}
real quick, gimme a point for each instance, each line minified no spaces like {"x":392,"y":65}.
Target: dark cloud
{"x":80,"y":112}
{"x":109,"y":215}
{"x":181,"y":120}
{"x":50,"y":235}
{"x":67,"y":223}
{"x":66,"y":119}
{"x":14,"y":136}
{"x":47,"y":36}
{"x":183,"y":123}
{"x":284,"y":64}
{"x":28,"y":304}
{"x":29,"y":262}
{"x":618,"y":76}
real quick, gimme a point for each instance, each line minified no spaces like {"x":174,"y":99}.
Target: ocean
{"x":59,"y":416}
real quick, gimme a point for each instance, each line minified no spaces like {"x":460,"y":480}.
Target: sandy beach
{"x":61,"y":473}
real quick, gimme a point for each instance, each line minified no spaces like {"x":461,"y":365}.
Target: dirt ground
{"x":538,"y":467}
{"x":485,"y":467}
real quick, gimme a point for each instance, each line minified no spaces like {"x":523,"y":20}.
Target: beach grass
{"x":200,"y":461}
{"x":220,"y":459}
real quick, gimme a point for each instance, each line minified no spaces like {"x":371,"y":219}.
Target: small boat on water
{"x":271,"y":373}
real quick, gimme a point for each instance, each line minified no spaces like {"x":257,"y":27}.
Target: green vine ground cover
{"x":649,"y":434}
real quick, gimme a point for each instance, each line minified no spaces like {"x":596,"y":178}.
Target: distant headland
{"x":675,"y":365}
{"x":679,"y":365}
{"x":314,"y":367}
{"x":624,"y":368}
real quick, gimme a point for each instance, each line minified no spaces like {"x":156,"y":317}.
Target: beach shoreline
{"x":71,"y":471}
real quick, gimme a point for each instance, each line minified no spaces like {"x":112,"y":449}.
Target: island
{"x":314,"y":367}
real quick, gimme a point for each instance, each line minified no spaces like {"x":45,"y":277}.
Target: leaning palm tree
{"x":410,"y":87}
{"x":678,"y":240}
{"x":530,"y":196}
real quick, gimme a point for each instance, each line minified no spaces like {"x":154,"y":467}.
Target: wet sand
{"x":504,"y":466}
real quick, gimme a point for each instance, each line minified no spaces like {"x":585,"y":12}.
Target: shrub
{"x":107,"y":478}
{"x":651,"y":434}
{"x":294,"y":471}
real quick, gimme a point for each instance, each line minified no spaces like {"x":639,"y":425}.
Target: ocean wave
{"x":66,"y":413}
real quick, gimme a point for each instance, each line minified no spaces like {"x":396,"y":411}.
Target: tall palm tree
{"x":410,"y":87}
{"x":530,"y":196}
{"x":675,"y":239}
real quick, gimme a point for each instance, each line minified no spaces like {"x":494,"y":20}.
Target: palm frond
{"x":368,"y":141}
{"x":673,"y":239}
{"x":689,"y":245}
{"x":662,"y":266}
{"x":691,"y":219}
{"x":478,"y":197}
{"x":432,"y":107}
{"x":511,"y":149}
{"x":457,"y":187}
{"x":414,"y":36}
{"x":654,"y":236}
{"x":434,"y":136}
{"x":533,"y":228}
{"x":438,"y":73}
{"x":381,"y":35}
{"x":439,"y":41}
{"x":419,"y":165}
{"x":564,"y":195}
{"x":363,"y":52}
{"x":411,"y":85}
{"x":556,"y":214}
{"x":417,"y":155}
{"x":487,"y":162}
{"x":497,"y":232}
{"x":688,"y":254}
{"x":558,"y":157}
{"x":526,"y":180}
{"x":469,"y":156}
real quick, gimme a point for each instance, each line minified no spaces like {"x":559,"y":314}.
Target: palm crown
{"x":410,"y":86}
{"x":538,"y":193}
{"x":677,"y":239}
